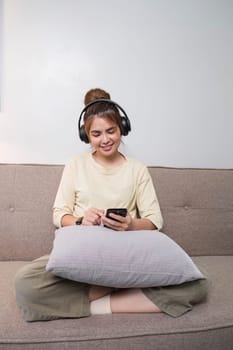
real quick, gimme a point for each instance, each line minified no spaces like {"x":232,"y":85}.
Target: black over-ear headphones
{"x":125,"y":122}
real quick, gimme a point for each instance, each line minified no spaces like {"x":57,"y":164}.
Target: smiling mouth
{"x":107,"y":147}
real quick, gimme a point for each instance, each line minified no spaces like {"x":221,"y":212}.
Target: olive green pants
{"x":41,"y":295}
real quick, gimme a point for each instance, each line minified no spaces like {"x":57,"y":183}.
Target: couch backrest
{"x":197,"y":207}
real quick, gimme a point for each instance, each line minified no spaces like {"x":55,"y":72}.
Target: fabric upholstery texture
{"x":123,"y":259}
{"x":208,"y":323}
{"x":191,"y":200}
{"x":197,"y":208}
{"x":198,"y":214}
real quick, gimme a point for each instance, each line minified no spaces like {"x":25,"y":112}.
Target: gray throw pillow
{"x":121,"y":259}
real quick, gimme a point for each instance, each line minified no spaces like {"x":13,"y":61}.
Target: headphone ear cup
{"x":83,"y":135}
{"x":126,"y":128}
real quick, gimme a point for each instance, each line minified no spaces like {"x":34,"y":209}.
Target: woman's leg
{"x":43,"y":296}
{"x":97,"y":292}
{"x":120,"y":301}
{"x":178,"y":299}
{"x":172,"y":300}
{"x":132,"y":301}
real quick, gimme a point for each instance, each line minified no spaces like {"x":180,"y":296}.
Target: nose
{"x":105,"y":138}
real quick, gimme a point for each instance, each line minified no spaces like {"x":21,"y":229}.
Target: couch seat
{"x":214,"y":318}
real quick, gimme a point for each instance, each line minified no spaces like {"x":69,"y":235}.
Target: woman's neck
{"x":111,"y":161}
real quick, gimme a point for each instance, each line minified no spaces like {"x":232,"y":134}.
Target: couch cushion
{"x":207,"y":326}
{"x":196,"y":205}
{"x":27,"y":193}
{"x":197,"y":208}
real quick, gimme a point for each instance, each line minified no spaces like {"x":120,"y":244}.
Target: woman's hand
{"x":120,"y":223}
{"x":92,"y":216}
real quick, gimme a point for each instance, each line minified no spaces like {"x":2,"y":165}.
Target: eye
{"x":111,"y":130}
{"x":95,"y":133}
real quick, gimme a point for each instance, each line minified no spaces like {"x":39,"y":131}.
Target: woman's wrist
{"x":79,"y":221}
{"x":130,"y":223}
{"x":68,"y":220}
{"x":140,"y":224}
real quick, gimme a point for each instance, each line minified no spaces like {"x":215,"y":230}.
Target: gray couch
{"x":197,"y":206}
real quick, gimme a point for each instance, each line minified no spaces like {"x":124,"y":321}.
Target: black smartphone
{"x":117,"y":211}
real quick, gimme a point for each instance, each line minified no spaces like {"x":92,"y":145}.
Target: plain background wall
{"x":168,"y":63}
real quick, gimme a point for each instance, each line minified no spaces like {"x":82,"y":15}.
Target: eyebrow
{"x":109,"y":129}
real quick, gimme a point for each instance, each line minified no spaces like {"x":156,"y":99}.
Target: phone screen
{"x":117,"y":211}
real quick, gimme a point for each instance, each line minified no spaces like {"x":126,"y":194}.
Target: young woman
{"x":91,"y":183}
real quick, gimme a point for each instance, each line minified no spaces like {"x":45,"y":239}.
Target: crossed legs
{"x":43,"y":296}
{"x":104,"y":300}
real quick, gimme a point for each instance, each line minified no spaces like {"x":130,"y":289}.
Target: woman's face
{"x":104,"y":136}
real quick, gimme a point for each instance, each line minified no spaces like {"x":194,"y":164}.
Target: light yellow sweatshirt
{"x":85,"y":184}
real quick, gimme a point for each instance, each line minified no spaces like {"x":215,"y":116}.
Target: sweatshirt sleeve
{"x":65,"y":197}
{"x":147,"y":201}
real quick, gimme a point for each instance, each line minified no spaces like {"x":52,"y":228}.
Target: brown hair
{"x":95,"y":94}
{"x":102,"y":109}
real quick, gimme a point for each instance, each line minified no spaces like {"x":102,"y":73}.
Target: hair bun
{"x":95,"y":94}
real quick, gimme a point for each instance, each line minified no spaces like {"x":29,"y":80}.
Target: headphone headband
{"x":126,"y":127}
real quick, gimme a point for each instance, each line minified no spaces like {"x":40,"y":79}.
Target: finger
{"x":96,"y":220}
{"x":118,"y":218}
{"x":114,"y":225}
{"x":86,"y":222}
{"x":98,"y":212}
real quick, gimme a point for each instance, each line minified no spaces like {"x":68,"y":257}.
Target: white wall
{"x":169,"y":63}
